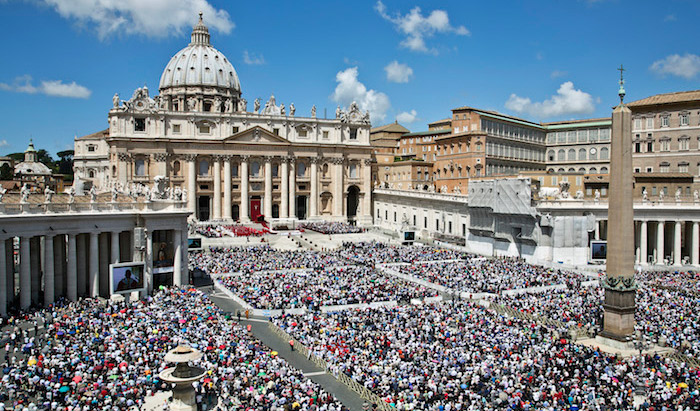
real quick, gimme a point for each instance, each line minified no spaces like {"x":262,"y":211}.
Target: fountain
{"x":183,"y":375}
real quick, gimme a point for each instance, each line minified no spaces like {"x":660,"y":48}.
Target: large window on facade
{"x":352,"y":171}
{"x":301,"y":169}
{"x":139,"y":124}
{"x":140,"y":167}
{"x":255,"y":169}
{"x":604,"y":153}
{"x":204,"y":168}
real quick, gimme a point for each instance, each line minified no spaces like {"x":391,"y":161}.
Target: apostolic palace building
{"x":231,"y":162}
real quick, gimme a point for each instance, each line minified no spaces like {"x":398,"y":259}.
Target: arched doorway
{"x":301,"y":207}
{"x":353,"y":201}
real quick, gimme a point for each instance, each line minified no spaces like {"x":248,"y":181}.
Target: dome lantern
{"x":200,"y":33}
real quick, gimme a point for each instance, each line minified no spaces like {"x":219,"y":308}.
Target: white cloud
{"x":407,"y":117}
{"x":398,"y":72}
{"x":4,"y":143}
{"x":567,"y":101}
{"x":558,"y":73}
{"x":55,"y":88}
{"x":152,"y":18}
{"x":417,"y":27}
{"x":349,"y":89}
{"x":687,"y":66}
{"x":252,"y":59}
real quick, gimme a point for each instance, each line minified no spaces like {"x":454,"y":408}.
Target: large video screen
{"x":127,"y":277}
{"x":599,"y":250}
{"x":194,"y":243}
{"x":409,"y":235}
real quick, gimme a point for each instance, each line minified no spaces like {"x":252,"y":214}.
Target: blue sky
{"x":411,"y":60}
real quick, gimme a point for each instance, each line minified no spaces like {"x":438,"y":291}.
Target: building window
{"x":683,"y":167}
{"x":665,"y":145}
{"x":234,"y":130}
{"x":572,"y":155}
{"x":255,"y":169}
{"x":176,"y":128}
{"x":650,"y":146}
{"x":204,"y":128}
{"x":604,"y":152}
{"x":353,"y":134}
{"x":302,"y":132}
{"x":91,"y":148}
{"x":204,"y":168}
{"x":140,"y":167}
{"x":664,"y":167}
{"x":207,"y":106}
{"x":650,"y":169}
{"x":650,"y":123}
{"x":91,"y":173}
{"x":684,"y":144}
{"x":176,"y":168}
{"x":637,"y":147}
{"x":664,"y":121}
{"x":637,"y":170}
{"x":301,"y":170}
{"x":352,"y":171}
{"x":654,"y":191}
{"x":276,"y":131}
{"x":139,"y":124}
{"x":637,"y":123}
{"x":582,"y":154}
{"x":234,"y":170}
{"x":325,"y":135}
{"x":275,"y":170}
{"x":560,"y":155}
{"x":685,"y":119}
{"x":603,"y":170}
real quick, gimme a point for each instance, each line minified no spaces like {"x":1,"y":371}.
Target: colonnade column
{"x":72,"y":269}
{"x":3,"y":280}
{"x":192,"y":184}
{"x":149,"y":261}
{"x":367,"y":187}
{"x":177,"y":258}
{"x":643,"y":243}
{"x":245,"y":201}
{"x":338,"y":185}
{"x":25,"y":281}
{"x":59,"y":260}
{"x":227,"y":188}
{"x":677,"y":253}
{"x":49,"y":281}
{"x":114,"y":254}
{"x":694,"y":253}
{"x":596,"y":234}
{"x":93,"y":266}
{"x":81,"y":258}
{"x":217,"y":187}
{"x":10,"y":269}
{"x":284,"y":176}
{"x":268,"y":187}
{"x":313,"y":201}
{"x":35,"y":268}
{"x":660,"y":242}
{"x":292,"y":187}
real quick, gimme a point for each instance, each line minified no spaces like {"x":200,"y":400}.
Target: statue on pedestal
{"x":313,"y":110}
{"x":48,"y":194}
{"x":292,"y":109}
{"x":24,"y":194}
{"x":93,"y":194}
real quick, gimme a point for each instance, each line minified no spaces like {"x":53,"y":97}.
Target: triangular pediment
{"x":256,"y":135}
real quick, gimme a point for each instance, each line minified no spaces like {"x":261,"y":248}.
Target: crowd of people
{"x":108,"y":355}
{"x":224,"y":260}
{"x":327,"y":227}
{"x":462,"y":356}
{"x":322,"y":287}
{"x":372,"y":252}
{"x":230,"y":230}
{"x":489,"y":275}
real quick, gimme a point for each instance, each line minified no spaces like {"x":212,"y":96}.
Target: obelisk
{"x":620,"y":287}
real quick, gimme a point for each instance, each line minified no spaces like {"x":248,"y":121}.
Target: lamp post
{"x":640,"y":342}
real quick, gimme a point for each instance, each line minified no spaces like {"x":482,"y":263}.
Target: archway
{"x":301,"y":207}
{"x":203,"y":208}
{"x":353,"y":201}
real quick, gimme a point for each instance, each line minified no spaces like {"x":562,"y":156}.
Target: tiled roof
{"x":95,"y":136}
{"x":668,"y":98}
{"x":393,"y":127}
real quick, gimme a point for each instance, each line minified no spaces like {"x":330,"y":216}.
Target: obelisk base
{"x":618,"y":318}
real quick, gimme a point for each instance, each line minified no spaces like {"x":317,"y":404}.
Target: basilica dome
{"x":199,"y":64}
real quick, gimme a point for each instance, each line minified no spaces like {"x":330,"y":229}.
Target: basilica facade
{"x":232,"y":163}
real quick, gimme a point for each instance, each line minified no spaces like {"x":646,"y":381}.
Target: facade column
{"x":268,"y":187}
{"x":227,"y":188}
{"x":114,"y":255}
{"x":284,"y":177}
{"x":103,"y":263}
{"x":149,"y":261}
{"x":367,"y":188}
{"x":597,"y":230}
{"x":94,"y":266}
{"x":192,"y":184}
{"x":217,"y":187}
{"x":694,"y":253}
{"x":292,"y":187}
{"x":81,"y":255}
{"x":643,"y":243}
{"x":3,"y":280}
{"x":338,"y":186}
{"x":124,"y":159}
{"x":59,"y":252}
{"x":677,"y":253}
{"x":245,"y":201}
{"x":72,"y":269}
{"x":25,"y":281}
{"x":49,"y":280}
{"x":10,"y":269}
{"x":35,"y":268}
{"x":660,"y":243}
{"x":177,"y":258}
{"x":313,"y":201}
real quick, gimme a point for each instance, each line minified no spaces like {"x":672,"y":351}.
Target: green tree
{"x":6,"y":172}
{"x":65,"y":162}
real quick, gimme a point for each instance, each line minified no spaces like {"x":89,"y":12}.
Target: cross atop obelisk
{"x":621,"y":92}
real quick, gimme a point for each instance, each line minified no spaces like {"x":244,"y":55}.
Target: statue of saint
{"x":292,"y":109}
{"x":313,"y":110}
{"x":256,"y":105}
{"x":48,"y":194}
{"x":115,"y":100}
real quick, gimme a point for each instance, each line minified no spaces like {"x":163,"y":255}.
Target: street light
{"x":640,"y":342}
